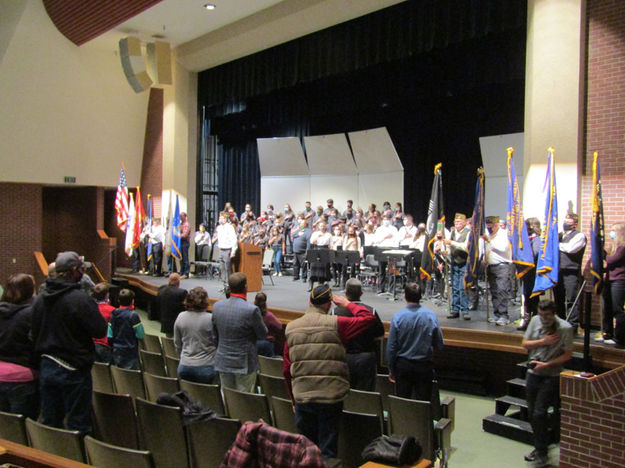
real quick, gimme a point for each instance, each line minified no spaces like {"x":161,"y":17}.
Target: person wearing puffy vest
{"x":315,"y":366}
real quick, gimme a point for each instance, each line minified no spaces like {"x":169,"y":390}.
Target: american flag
{"x":121,"y":201}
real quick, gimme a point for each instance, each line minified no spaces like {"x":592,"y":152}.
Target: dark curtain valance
{"x":405,"y":30}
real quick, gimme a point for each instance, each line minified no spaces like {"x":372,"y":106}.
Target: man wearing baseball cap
{"x":65,"y":320}
{"x":315,"y":366}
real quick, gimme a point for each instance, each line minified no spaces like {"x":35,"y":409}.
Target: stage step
{"x":509,"y":428}
{"x":516,"y":387}
{"x":503,"y":404}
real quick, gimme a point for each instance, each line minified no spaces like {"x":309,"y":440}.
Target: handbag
{"x":394,"y":450}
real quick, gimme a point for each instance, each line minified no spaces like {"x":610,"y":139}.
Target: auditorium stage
{"x":288,"y":299}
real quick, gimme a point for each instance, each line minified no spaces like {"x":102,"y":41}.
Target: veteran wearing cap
{"x":497,"y":258}
{"x":315,"y":366}
{"x":458,"y":253}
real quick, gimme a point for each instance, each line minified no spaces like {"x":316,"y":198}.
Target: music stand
{"x":346,"y":258}
{"x":319,"y":258}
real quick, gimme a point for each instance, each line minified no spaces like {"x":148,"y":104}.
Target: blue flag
{"x":597,"y":238}
{"x":175,"y":232}
{"x":477,"y":229}
{"x":518,"y":238}
{"x":148,"y":250}
{"x":549,"y":257}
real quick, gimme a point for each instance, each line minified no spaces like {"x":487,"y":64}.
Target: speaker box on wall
{"x":159,"y":62}
{"x":133,"y":64}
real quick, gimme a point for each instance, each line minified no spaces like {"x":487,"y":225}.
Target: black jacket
{"x":65,"y":321}
{"x":171,"y":303}
{"x":15,"y":344}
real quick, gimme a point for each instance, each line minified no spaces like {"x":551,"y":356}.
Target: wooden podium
{"x":250,"y":262}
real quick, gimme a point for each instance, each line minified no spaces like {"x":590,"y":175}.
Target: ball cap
{"x":460,"y":216}
{"x":492,"y":219}
{"x":66,"y":261}
{"x":321,"y":295}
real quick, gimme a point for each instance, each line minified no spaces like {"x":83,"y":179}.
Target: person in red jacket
{"x":103,"y":350}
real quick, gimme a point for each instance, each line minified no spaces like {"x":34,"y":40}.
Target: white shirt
{"x":320,"y":238}
{"x":498,"y":249}
{"x":157,"y":234}
{"x":336,"y":242}
{"x":227,"y":237}
{"x":418,"y":244}
{"x":406,"y":234}
{"x":574,"y":244}
{"x":202,"y":238}
{"x":386,"y":236}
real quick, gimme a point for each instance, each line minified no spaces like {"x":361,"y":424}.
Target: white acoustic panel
{"x":281,"y":157}
{"x":337,"y":187}
{"x":374,"y":151}
{"x":378,"y":188}
{"x":496,"y":196}
{"x":495,"y":155}
{"x":329,"y":154}
{"x":294,"y":190}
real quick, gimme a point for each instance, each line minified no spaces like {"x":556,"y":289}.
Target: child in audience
{"x":125,"y":329}
{"x":103,"y":351}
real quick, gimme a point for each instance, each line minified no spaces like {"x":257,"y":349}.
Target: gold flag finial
{"x":437,"y":167}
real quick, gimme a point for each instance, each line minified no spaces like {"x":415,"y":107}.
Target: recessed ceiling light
{"x":209,"y":6}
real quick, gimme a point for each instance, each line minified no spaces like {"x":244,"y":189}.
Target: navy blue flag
{"x":549,"y":256}
{"x":518,"y":238}
{"x":477,"y":229}
{"x":597,"y":236}
{"x":175,"y":232}
{"x":435,"y":222}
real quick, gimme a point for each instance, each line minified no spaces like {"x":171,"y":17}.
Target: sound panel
{"x":133,"y":64}
{"x":374,"y":151}
{"x":159,"y":62}
{"x":329,"y":154}
{"x":281,"y":157}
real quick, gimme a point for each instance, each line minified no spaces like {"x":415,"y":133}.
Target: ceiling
{"x":202,"y":39}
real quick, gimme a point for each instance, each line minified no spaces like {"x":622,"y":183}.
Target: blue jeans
{"x":277,"y":257}
{"x":184,"y":263}
{"x":103,"y":353}
{"x":459,"y":299}
{"x":199,"y":374}
{"x":20,"y":398}
{"x":613,"y":299}
{"x":320,"y":422}
{"x":265,"y":348}
{"x":126,"y":358}
{"x":65,"y":393}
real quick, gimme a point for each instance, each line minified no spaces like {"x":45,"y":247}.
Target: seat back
{"x":101,"y":377}
{"x":246,"y":406}
{"x":105,"y":455}
{"x":283,"y":415}
{"x":109,"y":409}
{"x":169,"y":347}
{"x":268,"y":258}
{"x":171,"y":363}
{"x":163,"y":434}
{"x":128,"y":382}
{"x":60,"y":442}
{"x":385,"y":387}
{"x":12,"y":428}
{"x":210,"y":440}
{"x":359,"y":401}
{"x":207,"y":394}
{"x":271,"y":366}
{"x":152,"y":363}
{"x":273,"y":386}
{"x":356,"y":432}
{"x":156,"y":384}
{"x":151,"y":343}
{"x":413,"y":417}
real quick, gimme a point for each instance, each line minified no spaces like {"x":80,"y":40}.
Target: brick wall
{"x":593,"y":420}
{"x":605,"y":115}
{"x":152,"y":165}
{"x":20,"y":231}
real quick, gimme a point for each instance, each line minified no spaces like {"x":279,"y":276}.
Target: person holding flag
{"x":475,"y":245}
{"x":497,"y":259}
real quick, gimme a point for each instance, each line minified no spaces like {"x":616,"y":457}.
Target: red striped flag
{"x":121,"y":201}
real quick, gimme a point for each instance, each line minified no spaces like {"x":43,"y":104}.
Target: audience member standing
{"x":65,"y":321}
{"x":549,"y":342}
{"x":237,"y":325}
{"x":103,"y":350}
{"x":125,"y":329}
{"x":19,"y":386}
{"x":361,"y":356}
{"x":412,"y":339}
{"x":315,"y":368}
{"x":171,"y":302}
{"x":194,"y":339}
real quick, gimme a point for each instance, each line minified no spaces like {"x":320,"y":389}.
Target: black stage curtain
{"x":437,"y":74}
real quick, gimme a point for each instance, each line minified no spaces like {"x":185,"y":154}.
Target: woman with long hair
{"x":614,"y":289}
{"x":194,"y":339}
{"x":274,"y":326}
{"x":19,"y":384}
